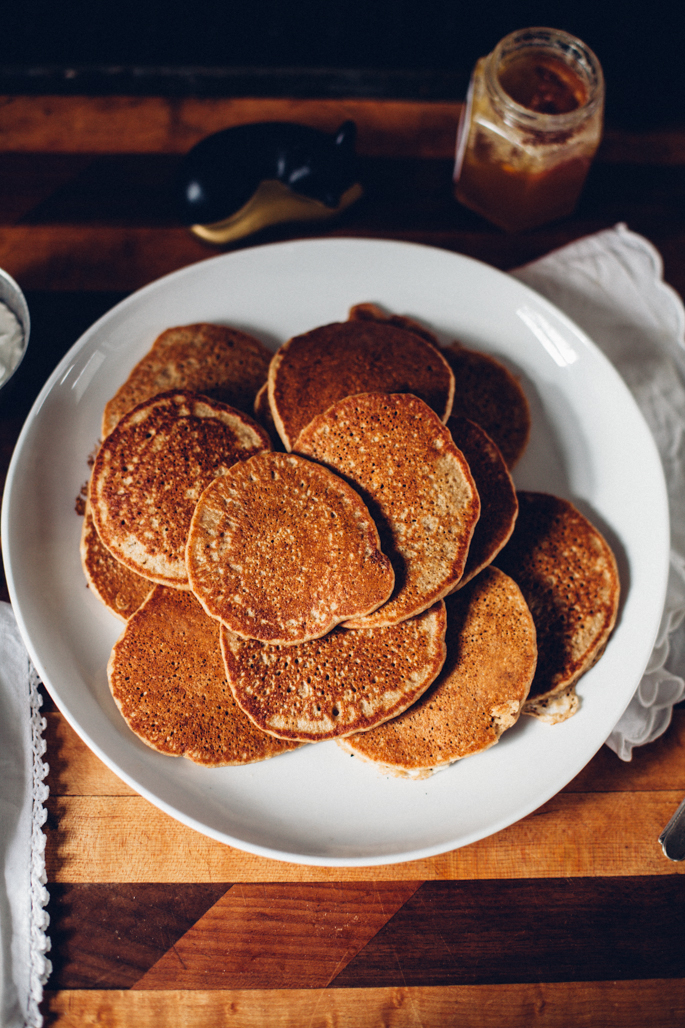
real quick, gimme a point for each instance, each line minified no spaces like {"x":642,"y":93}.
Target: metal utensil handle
{"x":672,"y":838}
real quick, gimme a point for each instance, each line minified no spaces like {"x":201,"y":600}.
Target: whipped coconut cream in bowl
{"x":15,"y":326}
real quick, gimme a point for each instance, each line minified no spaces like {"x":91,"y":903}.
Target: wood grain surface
{"x":558,"y":1005}
{"x":570,"y":918}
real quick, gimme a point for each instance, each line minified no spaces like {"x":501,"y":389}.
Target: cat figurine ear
{"x":241,"y":180}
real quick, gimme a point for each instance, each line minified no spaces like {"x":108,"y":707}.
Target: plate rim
{"x":83,"y":340}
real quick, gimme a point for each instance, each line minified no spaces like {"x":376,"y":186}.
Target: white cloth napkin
{"x":611,"y":284}
{"x":24,"y":968}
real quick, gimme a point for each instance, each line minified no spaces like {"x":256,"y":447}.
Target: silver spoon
{"x":672,"y":838}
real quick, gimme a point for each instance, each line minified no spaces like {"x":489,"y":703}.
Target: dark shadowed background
{"x":331,"y":48}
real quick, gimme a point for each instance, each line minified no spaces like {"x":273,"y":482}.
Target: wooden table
{"x":571,"y":917}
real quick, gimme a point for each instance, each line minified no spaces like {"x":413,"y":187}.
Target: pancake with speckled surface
{"x":568,"y":575}
{"x":121,"y":590}
{"x":347,"y":681}
{"x":218,"y":361}
{"x":489,"y":394}
{"x":167,"y":677}
{"x":282,"y":550}
{"x":150,"y":471}
{"x":498,"y":503}
{"x":403,"y":461}
{"x":373,"y":312}
{"x":312,"y":371}
{"x":490,"y":663}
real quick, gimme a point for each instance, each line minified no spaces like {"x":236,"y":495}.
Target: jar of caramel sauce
{"x":529,"y":129}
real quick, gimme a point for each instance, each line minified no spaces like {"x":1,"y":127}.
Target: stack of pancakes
{"x":322,"y":568}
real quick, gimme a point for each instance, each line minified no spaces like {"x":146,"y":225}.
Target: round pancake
{"x":372,"y":312}
{"x":479,"y":693}
{"x":282,"y":550}
{"x":498,"y":503}
{"x":150,"y":471}
{"x":121,"y":590}
{"x":167,"y":677}
{"x":487,"y":393}
{"x":310,"y":372}
{"x":347,"y":681}
{"x":396,"y":452}
{"x":214,"y":360}
{"x":568,"y":575}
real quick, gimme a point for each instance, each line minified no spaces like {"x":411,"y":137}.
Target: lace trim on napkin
{"x":41,"y":967}
{"x":612,"y":285}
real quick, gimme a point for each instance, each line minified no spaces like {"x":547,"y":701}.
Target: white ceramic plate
{"x":318,"y":805}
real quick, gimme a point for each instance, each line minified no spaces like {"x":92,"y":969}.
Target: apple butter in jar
{"x":530,"y":128}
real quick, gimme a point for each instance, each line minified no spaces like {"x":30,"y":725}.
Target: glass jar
{"x":529,"y":129}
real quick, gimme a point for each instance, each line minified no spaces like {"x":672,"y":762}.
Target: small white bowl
{"x":12,"y":296}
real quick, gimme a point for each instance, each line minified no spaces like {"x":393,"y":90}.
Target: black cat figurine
{"x":241,"y":180}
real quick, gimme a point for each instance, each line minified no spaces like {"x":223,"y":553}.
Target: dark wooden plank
{"x":121,"y":258}
{"x":161,"y":936}
{"x":131,"y":189}
{"x":491,"y":932}
{"x":362,"y":935}
{"x":402,"y":193}
{"x":107,"y":936}
{"x":27,"y":179}
{"x":278,"y":935}
{"x":172,"y":124}
{"x":155,"y":124}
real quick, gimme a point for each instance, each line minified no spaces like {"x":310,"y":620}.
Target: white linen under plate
{"x":24,"y":968}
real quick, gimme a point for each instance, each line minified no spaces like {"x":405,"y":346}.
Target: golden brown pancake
{"x":150,"y":471}
{"x":372,"y":312}
{"x":396,"y":452}
{"x":121,"y":590}
{"x":498,"y":503}
{"x":167,"y":677}
{"x":312,"y":371}
{"x":487,"y":393}
{"x":347,"y":681}
{"x":479,"y":693}
{"x":282,"y":550}
{"x":568,"y":575}
{"x":215,"y":360}
{"x":262,"y":414}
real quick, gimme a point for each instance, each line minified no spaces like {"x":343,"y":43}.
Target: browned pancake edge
{"x":150,"y":471}
{"x":167,"y":677}
{"x":498,"y":502}
{"x":312,"y":371}
{"x":344,"y":682}
{"x":479,"y":694}
{"x":281,"y":549}
{"x":373,"y":312}
{"x":489,"y":394}
{"x":118,"y":588}
{"x":216,"y":360}
{"x":567,"y":572}
{"x":417,"y":484}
